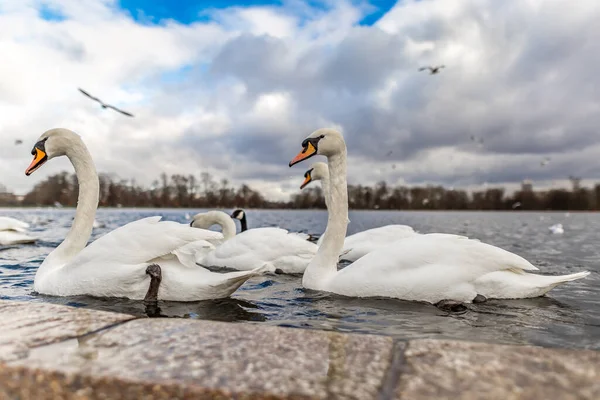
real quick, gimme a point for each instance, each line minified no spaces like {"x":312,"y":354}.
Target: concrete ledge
{"x":49,"y":352}
{"x":436,"y":369}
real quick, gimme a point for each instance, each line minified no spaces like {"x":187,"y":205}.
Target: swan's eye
{"x":321,"y":137}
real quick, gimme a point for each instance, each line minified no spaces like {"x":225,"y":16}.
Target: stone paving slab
{"x":222,"y":359}
{"x":25,"y":325}
{"x":436,"y":369}
{"x":58,"y":352}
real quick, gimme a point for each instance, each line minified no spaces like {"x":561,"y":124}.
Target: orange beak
{"x":306,"y":152}
{"x":307,"y":180}
{"x":39,"y":159}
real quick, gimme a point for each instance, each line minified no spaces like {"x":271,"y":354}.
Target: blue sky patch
{"x":189,"y":11}
{"x":176,"y":75}
{"x":51,"y":13}
{"x":380,"y":8}
{"x":183,"y":11}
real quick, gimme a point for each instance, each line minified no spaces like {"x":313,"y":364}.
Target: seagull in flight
{"x":434,"y":70}
{"x":104,"y":105}
{"x":545,"y":161}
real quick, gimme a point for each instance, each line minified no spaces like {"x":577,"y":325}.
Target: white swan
{"x":286,"y":252}
{"x":118,"y":263}
{"x":361,"y":243}
{"x":13,"y":231}
{"x":429,"y":268}
{"x":240,"y":215}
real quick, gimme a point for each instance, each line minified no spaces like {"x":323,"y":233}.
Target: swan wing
{"x":142,"y":241}
{"x":12,"y":224}
{"x":301,"y":235}
{"x":188,"y":254}
{"x":426,"y":267}
{"x":15,"y":237}
{"x":255,"y":247}
{"x":450,"y":235}
{"x":384,"y":234}
{"x":462,"y":253}
{"x":361,"y":243}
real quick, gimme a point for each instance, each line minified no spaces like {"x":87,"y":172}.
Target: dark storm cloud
{"x":524,"y":82}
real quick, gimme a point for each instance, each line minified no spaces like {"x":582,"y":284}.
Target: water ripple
{"x":569,"y":317}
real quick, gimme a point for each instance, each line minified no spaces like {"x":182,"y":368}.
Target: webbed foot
{"x":479,"y":299}
{"x":451,"y":306}
{"x":155,"y":278}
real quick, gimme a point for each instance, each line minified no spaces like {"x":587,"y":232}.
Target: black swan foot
{"x":479,"y":299}
{"x":451,"y":306}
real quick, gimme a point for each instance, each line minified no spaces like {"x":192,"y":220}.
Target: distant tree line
{"x":175,"y":191}
{"x":204,"y":192}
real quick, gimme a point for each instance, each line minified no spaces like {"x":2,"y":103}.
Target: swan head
{"x":52,"y":143}
{"x":324,"y":142}
{"x":238,"y":214}
{"x":317,"y":171}
{"x":207,"y":219}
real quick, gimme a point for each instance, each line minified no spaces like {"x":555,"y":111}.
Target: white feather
{"x":115,"y":264}
{"x":361,"y":243}
{"x":288,"y":252}
{"x":13,"y":231}
{"x":430,"y":267}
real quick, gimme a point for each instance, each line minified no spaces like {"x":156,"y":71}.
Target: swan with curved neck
{"x":210,"y":218}
{"x":361,"y":243}
{"x":140,"y":259}
{"x":431,"y":268}
{"x":286,"y":252}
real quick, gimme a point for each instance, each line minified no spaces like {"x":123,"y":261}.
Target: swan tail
{"x":571,"y":277}
{"x":550,"y":282}
{"x":518,"y":284}
{"x":234,"y":280}
{"x":266,"y":267}
{"x":568,"y":278}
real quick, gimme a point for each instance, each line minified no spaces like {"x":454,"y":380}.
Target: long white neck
{"x":325,"y":189}
{"x":218,"y":218}
{"x":87,"y":203}
{"x":324,"y":265}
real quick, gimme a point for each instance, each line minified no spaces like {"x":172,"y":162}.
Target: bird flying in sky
{"x":433,"y":70}
{"x":104,"y":105}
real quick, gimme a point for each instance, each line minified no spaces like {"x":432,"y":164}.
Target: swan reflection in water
{"x":227,"y":309}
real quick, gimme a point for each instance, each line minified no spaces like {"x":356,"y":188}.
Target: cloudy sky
{"x":233,"y":87}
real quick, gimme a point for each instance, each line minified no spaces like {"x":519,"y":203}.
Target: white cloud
{"x":253,"y":81}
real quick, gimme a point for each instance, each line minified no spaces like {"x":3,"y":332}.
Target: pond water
{"x":569,"y":316}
